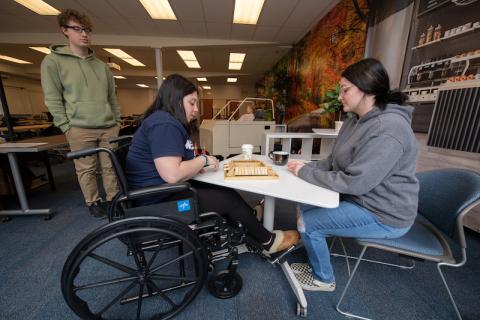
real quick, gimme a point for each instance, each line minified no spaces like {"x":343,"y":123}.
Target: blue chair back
{"x":444,"y":195}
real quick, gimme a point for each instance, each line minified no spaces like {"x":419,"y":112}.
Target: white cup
{"x":338,"y":125}
{"x":247,"y":151}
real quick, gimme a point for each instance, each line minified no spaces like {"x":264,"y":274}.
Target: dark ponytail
{"x":370,"y":76}
{"x":391,"y":96}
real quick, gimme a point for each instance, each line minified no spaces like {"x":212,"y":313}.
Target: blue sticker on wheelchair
{"x":183,"y":205}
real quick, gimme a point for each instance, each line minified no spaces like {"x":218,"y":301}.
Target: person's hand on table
{"x":213,"y":162}
{"x":294,"y":166}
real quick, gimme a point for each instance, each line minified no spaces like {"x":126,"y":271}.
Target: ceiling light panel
{"x":159,"y":9}
{"x":192,"y":64}
{"x":247,"y":11}
{"x":124,"y":56}
{"x":206,"y":87}
{"x":41,"y":49}
{"x":142,"y":85}
{"x":39,"y":6}
{"x":119,"y":77}
{"x":231,"y":79}
{"x":189,"y":58}
{"x":187,"y":55}
{"x":202,"y":79}
{"x":12,"y":59}
{"x":234,"y":66}
{"x":237,"y":57}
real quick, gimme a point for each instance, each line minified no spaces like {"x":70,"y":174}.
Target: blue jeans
{"x":347,"y":220}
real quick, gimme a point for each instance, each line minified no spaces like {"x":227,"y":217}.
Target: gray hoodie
{"x":373,"y":164}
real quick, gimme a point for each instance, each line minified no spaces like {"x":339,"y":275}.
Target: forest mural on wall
{"x":298,"y":82}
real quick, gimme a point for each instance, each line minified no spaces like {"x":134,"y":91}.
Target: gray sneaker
{"x":300,"y":267}
{"x":309,"y":283}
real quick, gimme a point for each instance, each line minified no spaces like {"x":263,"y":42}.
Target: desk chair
{"x":444,"y":199}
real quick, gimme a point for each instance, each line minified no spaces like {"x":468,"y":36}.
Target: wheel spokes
{"x":170,"y":277}
{"x":118,"y":297}
{"x":163,"y":295}
{"x":183,"y":256}
{"x":113,"y":264}
{"x":104,"y":283}
{"x":140,"y":299}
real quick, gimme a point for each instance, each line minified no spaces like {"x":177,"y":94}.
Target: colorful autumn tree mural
{"x":313,"y":66}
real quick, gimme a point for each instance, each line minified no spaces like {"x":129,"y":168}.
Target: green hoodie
{"x":78,"y":92}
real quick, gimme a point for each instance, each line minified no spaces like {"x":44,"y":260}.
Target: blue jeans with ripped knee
{"x":347,"y":220}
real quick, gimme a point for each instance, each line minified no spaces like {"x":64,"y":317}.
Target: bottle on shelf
{"x":421,"y":41}
{"x":429,"y":34}
{"x":437,"y":34}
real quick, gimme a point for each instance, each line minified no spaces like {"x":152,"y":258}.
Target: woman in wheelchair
{"x":162,"y":152}
{"x":372,"y":165}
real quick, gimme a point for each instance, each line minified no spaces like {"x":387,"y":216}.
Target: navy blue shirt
{"x":160,"y":135}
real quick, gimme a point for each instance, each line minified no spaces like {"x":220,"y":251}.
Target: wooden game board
{"x":248,"y":170}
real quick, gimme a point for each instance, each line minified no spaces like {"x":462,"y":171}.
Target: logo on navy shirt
{"x":189,"y":145}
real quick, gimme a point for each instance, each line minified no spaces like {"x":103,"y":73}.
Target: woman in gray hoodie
{"x":372,"y":166}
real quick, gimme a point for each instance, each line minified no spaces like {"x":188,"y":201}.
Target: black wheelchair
{"x":156,"y":256}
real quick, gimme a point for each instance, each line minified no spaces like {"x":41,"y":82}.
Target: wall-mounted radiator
{"x":455,"y":122}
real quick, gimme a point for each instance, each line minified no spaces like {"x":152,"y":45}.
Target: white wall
{"x":221,"y":93}
{"x":24,"y":95}
{"x":135,"y":101}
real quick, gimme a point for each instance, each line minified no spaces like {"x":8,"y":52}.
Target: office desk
{"x":287,"y":187}
{"x":27,"y":145}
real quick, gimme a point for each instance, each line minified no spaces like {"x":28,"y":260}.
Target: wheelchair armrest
{"x":161,"y":189}
{"x":86,"y":152}
{"x":120,"y":139}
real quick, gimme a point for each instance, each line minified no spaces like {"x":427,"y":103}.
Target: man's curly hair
{"x":70,"y":14}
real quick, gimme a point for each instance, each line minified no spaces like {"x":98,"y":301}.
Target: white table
{"x":327,"y":137}
{"x":287,"y":187}
{"x":28,"y":145}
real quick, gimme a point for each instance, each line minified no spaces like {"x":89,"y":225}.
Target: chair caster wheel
{"x":301,"y":311}
{"x":47,"y":217}
{"x":225,"y":285}
{"x":6,"y":219}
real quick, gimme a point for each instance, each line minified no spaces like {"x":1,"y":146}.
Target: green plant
{"x":331,"y":102}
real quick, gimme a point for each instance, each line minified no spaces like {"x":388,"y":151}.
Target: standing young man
{"x":80,"y":94}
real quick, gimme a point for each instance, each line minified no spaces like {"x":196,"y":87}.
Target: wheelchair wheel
{"x":157,"y":264}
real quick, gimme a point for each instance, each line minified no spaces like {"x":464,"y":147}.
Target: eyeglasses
{"x":344,"y":90}
{"x":79,"y":29}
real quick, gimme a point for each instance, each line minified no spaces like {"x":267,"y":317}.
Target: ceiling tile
{"x":276,"y":12}
{"x":265,"y":33}
{"x":290,"y":35}
{"x":218,"y":30}
{"x":188,"y":10}
{"x":242,"y":31}
{"x":195,"y":29}
{"x":306,"y":13}
{"x":218,"y":11}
